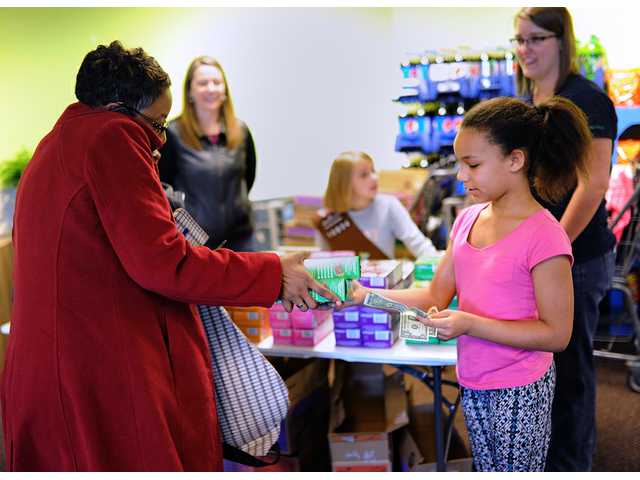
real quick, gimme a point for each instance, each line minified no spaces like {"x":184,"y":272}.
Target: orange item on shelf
{"x":624,"y":87}
{"x":628,"y":151}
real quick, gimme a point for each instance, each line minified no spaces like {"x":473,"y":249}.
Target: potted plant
{"x":10,"y":172}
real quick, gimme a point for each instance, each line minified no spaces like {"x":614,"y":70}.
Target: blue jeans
{"x":573,"y":422}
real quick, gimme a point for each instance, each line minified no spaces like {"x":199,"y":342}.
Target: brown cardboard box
{"x":417,"y":449}
{"x":6,"y":289}
{"x":409,"y":180}
{"x":405,"y":183}
{"x":365,"y":410}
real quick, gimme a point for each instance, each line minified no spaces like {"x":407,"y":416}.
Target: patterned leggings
{"x":509,"y":428}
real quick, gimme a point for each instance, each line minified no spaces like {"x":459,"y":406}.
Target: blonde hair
{"x":190,"y":131}
{"x":337,"y":197}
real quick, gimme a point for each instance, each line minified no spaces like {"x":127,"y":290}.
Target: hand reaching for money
{"x":450,"y":323}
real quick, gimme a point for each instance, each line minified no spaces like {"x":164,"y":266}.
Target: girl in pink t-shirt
{"x":509,"y":261}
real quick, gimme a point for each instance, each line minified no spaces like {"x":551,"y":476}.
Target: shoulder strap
{"x":342,"y":233}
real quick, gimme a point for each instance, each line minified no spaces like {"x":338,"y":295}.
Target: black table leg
{"x":437,"y":413}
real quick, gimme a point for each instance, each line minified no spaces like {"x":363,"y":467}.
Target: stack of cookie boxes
{"x":299,"y":328}
{"x":253,"y":321}
{"x":370,"y":327}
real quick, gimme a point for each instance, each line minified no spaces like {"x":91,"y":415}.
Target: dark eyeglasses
{"x":532,"y":41}
{"x":161,"y":128}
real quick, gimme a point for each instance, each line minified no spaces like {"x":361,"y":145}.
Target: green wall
{"x":42,"y":48}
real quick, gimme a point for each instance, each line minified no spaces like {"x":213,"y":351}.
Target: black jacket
{"x":215,"y":180}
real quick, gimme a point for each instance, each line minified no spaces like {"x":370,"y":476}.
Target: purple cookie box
{"x":350,"y":337}
{"x":308,"y":200}
{"x":375,"y":319}
{"x":379,"y":338}
{"x":346,"y":318}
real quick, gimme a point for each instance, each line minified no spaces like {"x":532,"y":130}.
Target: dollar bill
{"x":410,"y":327}
{"x":374,"y":300}
{"x":416,"y":331}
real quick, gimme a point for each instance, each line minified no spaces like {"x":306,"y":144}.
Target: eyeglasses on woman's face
{"x":161,"y":128}
{"x":532,"y":41}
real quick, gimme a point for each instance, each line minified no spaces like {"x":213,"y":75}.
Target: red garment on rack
{"x":619,"y":192}
{"x":107,"y":365}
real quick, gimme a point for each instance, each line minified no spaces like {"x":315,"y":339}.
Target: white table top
{"x":399,"y":354}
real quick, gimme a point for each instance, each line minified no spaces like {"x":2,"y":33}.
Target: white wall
{"x":309,"y":82}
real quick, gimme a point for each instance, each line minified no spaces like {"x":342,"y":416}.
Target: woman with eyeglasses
{"x":210,"y":157}
{"x":545,"y":46}
{"x":107,"y":366}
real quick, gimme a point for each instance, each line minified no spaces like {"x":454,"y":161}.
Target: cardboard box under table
{"x":366,"y":408}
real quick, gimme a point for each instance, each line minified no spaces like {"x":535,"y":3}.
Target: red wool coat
{"x":107,"y":365}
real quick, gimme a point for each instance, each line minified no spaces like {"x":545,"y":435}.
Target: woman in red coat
{"x":107,"y":364}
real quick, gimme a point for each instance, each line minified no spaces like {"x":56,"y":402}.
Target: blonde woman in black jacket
{"x":210,"y":156}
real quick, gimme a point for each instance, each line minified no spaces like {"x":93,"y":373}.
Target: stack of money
{"x":335,"y":273}
{"x":411,"y":330}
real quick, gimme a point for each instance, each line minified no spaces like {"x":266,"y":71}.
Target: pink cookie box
{"x":346,"y":318}
{"x":280,"y":318}
{"x":311,"y":337}
{"x":309,"y":319}
{"x":379,"y":338}
{"x":348,"y":337}
{"x":282,"y":336}
{"x":332,"y":253}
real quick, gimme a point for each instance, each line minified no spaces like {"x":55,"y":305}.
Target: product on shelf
{"x":624,"y":87}
{"x":438,"y":87}
{"x":592,"y":60}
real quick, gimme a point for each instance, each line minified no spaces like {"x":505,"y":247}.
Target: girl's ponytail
{"x":558,"y":156}
{"x":554,"y":135}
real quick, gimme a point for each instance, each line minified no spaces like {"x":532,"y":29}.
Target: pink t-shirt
{"x":496,"y":282}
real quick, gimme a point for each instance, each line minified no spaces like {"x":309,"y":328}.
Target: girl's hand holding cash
{"x":450,"y":323}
